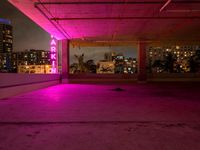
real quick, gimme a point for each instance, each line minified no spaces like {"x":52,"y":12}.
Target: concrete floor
{"x":153,"y":116}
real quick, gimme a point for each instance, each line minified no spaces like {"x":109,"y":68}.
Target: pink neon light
{"x":53,"y":54}
{"x":53,"y":49}
{"x":53,"y":42}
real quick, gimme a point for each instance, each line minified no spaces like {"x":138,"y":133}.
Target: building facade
{"x":6,"y":36}
{"x":32,"y":61}
{"x":6,"y":45}
{"x":28,"y":61}
{"x":174,"y":59}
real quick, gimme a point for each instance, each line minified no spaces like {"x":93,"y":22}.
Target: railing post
{"x":65,"y":61}
{"x":142,"y":74}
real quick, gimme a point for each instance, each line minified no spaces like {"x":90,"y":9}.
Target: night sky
{"x":27,"y":34}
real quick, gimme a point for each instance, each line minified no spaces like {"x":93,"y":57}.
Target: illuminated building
{"x":33,"y":57}
{"x":28,"y":61}
{"x":115,"y":64}
{"x":6,"y":46}
{"x":130,"y":65}
{"x":33,"y":61}
{"x":37,"y":69}
{"x":172,"y":59}
{"x":6,"y":38}
{"x":9,"y":60}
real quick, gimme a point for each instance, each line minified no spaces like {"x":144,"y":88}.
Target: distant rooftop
{"x":5,"y":21}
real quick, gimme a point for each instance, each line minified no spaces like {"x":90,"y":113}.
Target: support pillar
{"x":142,"y":72}
{"x":65,"y":61}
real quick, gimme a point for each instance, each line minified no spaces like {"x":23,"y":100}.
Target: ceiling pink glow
{"x":179,"y":20}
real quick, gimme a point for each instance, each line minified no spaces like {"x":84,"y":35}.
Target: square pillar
{"x":142,"y":72}
{"x":65,"y":60}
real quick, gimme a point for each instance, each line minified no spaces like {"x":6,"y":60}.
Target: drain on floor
{"x":118,"y":89}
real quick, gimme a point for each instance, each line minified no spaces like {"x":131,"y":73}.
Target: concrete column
{"x":65,"y":60}
{"x":142,"y":72}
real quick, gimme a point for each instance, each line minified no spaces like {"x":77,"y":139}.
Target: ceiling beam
{"x":125,"y":18}
{"x":56,"y":25}
{"x":115,"y":3}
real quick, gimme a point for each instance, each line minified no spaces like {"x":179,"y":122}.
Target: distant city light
{"x":177,"y":47}
{"x":53,"y":54}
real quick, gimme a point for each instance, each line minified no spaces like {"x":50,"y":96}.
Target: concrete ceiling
{"x":111,"y":20}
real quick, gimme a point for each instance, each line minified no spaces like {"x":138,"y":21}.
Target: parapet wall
{"x":13,"y":84}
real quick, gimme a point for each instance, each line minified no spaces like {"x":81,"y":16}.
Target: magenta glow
{"x":53,"y":49}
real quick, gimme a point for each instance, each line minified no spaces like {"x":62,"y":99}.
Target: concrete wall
{"x":12,"y":84}
{"x":102,"y":78}
{"x":174,"y":77}
{"x":130,"y":78}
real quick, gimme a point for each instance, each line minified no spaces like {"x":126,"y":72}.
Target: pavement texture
{"x":150,"y":116}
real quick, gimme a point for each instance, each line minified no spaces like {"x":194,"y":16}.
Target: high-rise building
{"x":6,"y":45}
{"x":6,"y":37}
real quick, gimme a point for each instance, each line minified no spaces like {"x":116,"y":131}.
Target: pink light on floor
{"x":53,"y":48}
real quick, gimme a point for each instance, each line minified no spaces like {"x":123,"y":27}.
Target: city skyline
{"x":97,"y":53}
